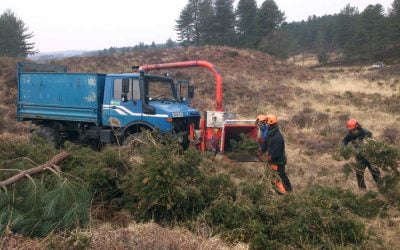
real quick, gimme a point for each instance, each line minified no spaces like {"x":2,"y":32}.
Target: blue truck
{"x":97,"y":109}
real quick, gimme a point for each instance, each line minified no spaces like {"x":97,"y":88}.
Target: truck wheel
{"x":49,"y":135}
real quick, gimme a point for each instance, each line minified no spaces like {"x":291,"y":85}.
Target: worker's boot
{"x":280,"y":188}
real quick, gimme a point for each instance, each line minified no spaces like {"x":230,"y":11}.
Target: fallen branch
{"x":52,"y":163}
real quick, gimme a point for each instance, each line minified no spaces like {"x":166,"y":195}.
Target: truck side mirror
{"x":124,"y":97}
{"x":190,"y":91}
{"x":125,"y":86}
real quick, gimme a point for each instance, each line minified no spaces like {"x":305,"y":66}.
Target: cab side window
{"x":134,"y":89}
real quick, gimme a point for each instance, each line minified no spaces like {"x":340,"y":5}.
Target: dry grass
{"x":348,"y":84}
{"x":153,"y":236}
{"x":149,"y":236}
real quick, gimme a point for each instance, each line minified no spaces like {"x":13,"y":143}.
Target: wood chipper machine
{"x":217,"y":128}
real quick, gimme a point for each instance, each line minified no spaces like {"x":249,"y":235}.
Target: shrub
{"x":322,"y":57}
{"x":171,"y":185}
{"x":308,"y":117}
{"x":319,"y":217}
{"x":101,"y":171}
{"x":381,"y":154}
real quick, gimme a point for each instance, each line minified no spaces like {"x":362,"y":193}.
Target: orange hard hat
{"x":272,"y":119}
{"x":261,"y":118}
{"x":352,"y":124}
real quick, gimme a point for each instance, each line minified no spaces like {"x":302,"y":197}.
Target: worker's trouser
{"x":362,"y":165}
{"x":284,"y":178}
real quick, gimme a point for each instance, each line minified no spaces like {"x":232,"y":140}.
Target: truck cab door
{"x":125,"y":105}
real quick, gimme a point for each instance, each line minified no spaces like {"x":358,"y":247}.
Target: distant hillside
{"x":46,"y":56}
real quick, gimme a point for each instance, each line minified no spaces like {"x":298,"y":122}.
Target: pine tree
{"x":346,"y":27}
{"x":224,"y":25}
{"x":269,"y":17}
{"x":372,"y":37}
{"x":206,"y":22}
{"x":395,"y":22}
{"x":276,"y":43}
{"x":188,"y":24}
{"x":14,"y":37}
{"x":395,"y":10}
{"x":246,"y":23}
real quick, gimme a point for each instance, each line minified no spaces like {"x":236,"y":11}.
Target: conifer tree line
{"x":14,"y":36}
{"x":370,"y":34}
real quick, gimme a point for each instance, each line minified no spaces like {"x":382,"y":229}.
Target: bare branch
{"x":39,"y":169}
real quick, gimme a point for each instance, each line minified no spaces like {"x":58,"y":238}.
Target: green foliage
{"x":101,"y":171}
{"x":322,"y":57}
{"x":318,"y":217}
{"x":14,"y":37}
{"x":224,"y":26}
{"x":269,"y":18}
{"x":49,"y":202}
{"x":37,"y":208}
{"x":346,"y":152}
{"x":381,"y":154}
{"x":187,"y":24}
{"x":391,"y":188}
{"x":242,"y":147}
{"x":246,"y":13}
{"x":276,"y":43}
{"x":244,"y":144}
{"x":170,"y":185}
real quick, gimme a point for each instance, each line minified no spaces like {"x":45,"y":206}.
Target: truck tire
{"x":50,"y":135}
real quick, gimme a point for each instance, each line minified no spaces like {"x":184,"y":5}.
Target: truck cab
{"x":133,"y":102}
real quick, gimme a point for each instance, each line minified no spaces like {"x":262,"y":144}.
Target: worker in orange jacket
{"x":274,"y":148}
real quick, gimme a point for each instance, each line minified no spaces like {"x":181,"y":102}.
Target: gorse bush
{"x":171,"y":184}
{"x":101,"y":171}
{"x":318,"y":217}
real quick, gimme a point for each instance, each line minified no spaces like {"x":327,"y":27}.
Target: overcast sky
{"x":97,"y":24}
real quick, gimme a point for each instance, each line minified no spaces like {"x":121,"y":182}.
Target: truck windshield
{"x":161,"y":90}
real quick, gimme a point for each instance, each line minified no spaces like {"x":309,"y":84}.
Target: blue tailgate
{"x":60,"y":96}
